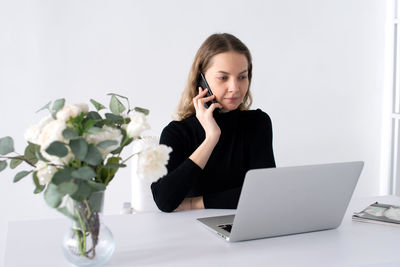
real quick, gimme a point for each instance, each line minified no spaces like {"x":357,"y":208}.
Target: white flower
{"x":152,"y":159}
{"x":137,"y":125}
{"x":45,"y":172}
{"x":52,"y":132}
{"x":32,"y":134}
{"x":72,"y":111}
{"x":107,"y":133}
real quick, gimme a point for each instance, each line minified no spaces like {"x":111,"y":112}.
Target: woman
{"x":212,"y":153}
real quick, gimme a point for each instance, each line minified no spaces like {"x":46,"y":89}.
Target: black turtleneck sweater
{"x":245,"y":143}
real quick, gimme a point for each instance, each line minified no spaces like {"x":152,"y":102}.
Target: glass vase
{"x":88,"y":242}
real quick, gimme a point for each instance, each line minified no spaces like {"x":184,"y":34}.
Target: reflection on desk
{"x":177,"y":239}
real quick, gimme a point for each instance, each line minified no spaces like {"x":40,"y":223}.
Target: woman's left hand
{"x":192,"y":203}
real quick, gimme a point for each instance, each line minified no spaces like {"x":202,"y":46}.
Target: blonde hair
{"x":213,"y":45}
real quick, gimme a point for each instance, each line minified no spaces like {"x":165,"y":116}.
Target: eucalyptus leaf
{"x":97,"y":105}
{"x":57,"y":105}
{"x":142,"y":110}
{"x":38,"y":187}
{"x":94,"y":116}
{"x":57,"y":149}
{"x":83,"y":191}
{"x":39,"y":156}
{"x":67,"y":188}
{"x":107,"y":143}
{"x":108,"y":173}
{"x":62,"y":175}
{"x":3,"y":165}
{"x":6,"y":145}
{"x":47,"y":106}
{"x":116,"y":106}
{"x":96,"y":186}
{"x":85,"y":173}
{"x":79,"y":148}
{"x":14,"y":163}
{"x":21,"y":175}
{"x":114,"y":119}
{"x":70,"y":134}
{"x":30,"y":153}
{"x":52,"y":196}
{"x":93,"y":156}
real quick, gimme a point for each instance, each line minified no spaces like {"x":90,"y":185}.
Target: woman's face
{"x":228,"y":78}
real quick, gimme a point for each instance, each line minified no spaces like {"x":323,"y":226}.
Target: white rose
{"x":45,"y":172}
{"x":108,"y":133}
{"x":152,"y":160}
{"x":72,"y":111}
{"x":137,"y":125}
{"x":32,"y":134}
{"x":53,"y":132}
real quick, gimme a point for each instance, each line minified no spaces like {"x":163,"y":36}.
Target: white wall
{"x":318,"y":71}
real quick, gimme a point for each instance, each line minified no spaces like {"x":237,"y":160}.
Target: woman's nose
{"x":233,"y":86}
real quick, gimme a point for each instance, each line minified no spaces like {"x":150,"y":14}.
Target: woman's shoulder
{"x":255,"y":115}
{"x":181,"y":127}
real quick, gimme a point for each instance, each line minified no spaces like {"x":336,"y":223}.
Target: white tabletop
{"x":177,"y":239}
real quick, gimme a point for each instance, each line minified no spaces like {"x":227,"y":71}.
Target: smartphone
{"x":202,"y":82}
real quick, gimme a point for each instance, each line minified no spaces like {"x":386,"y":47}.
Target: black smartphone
{"x":202,"y":82}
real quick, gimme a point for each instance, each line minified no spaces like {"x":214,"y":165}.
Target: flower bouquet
{"x":73,"y":154}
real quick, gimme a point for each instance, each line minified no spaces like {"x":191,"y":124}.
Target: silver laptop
{"x":289,"y":200}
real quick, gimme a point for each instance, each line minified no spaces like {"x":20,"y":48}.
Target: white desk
{"x":177,"y":239}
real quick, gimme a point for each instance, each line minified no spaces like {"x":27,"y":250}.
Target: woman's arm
{"x":169,"y":192}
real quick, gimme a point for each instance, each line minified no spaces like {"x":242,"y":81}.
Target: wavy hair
{"x":213,"y":45}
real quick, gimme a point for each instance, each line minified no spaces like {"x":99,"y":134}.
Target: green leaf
{"x":94,"y":116}
{"x":57,"y":149}
{"x":47,"y":106}
{"x":85,"y":173}
{"x":96,"y":200}
{"x":143,"y":110}
{"x":3,"y":165}
{"x":52,"y":196}
{"x":6,"y":145}
{"x":30,"y":153}
{"x":96,"y":186}
{"x":108,"y":173}
{"x":93,"y":156}
{"x":97,"y":105}
{"x":79,"y":148}
{"x":38,"y":187}
{"x":57,"y":105}
{"x":62,"y":175}
{"x":14,"y":163}
{"x":83,"y":191}
{"x":114,"y":119}
{"x":67,"y":188}
{"x":70,"y":134}
{"x":107,"y":143}
{"x":116,"y":106}
{"x":21,"y":175}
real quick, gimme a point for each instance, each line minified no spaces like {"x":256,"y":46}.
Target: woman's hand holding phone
{"x":205,"y":115}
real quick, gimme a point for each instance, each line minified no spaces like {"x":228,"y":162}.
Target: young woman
{"x":212,"y":150}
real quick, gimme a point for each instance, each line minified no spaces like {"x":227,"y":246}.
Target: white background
{"x":318,"y":72}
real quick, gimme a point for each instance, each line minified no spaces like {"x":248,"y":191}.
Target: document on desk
{"x":379,"y":213}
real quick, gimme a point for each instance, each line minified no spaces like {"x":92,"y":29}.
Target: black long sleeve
{"x":245,"y":143}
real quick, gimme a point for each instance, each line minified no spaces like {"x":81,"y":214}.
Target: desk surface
{"x":177,"y":239}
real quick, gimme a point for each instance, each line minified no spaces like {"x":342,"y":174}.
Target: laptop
{"x":289,"y":200}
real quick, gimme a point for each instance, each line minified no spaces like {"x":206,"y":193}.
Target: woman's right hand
{"x":205,"y":115}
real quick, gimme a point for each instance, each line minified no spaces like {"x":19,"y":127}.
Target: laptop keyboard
{"x":226,"y":227}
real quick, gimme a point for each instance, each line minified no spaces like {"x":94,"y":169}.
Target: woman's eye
{"x":223,"y":78}
{"x":243,"y":77}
